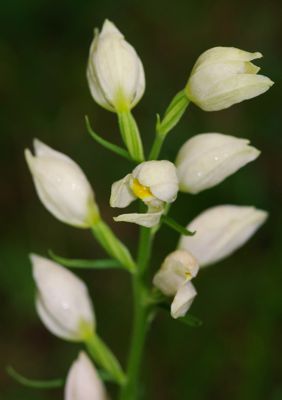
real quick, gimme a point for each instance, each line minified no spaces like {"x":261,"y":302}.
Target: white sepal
{"x":121,"y":194}
{"x":62,"y":186}
{"x":183,"y":300}
{"x":83,"y":382}
{"x":62,"y":301}
{"x":207,"y":159}
{"x":147,"y":220}
{"x":223,"y":76}
{"x":115,"y":73}
{"x":220,"y":231}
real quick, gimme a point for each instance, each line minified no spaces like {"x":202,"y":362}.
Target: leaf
{"x":176,"y":226}
{"x":33,"y":383}
{"x":191,"y":320}
{"x":105,"y":143}
{"x":92,"y":264}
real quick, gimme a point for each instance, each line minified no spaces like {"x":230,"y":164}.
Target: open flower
{"x":173,"y":279}
{"x":62,"y":186}
{"x":220,"y":231}
{"x":62,"y":300}
{"x":115,"y":73}
{"x":153,"y":182}
{"x":207,"y":159}
{"x":223,"y":76}
{"x":83,"y":382}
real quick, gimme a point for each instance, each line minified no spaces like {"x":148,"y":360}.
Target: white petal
{"x":121,"y":194}
{"x":183,"y":300}
{"x":224,"y":54}
{"x":61,"y":186}
{"x":234,"y":90}
{"x":148,"y":220}
{"x":220,"y":231}
{"x":160,"y":177}
{"x":207,"y":159}
{"x":63,"y":300}
{"x":177,"y":268}
{"x":83,"y":382}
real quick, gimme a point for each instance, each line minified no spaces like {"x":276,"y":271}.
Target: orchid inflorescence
{"x":221,"y":77}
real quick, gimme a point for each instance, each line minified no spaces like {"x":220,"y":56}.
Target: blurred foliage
{"x":44,"y":47}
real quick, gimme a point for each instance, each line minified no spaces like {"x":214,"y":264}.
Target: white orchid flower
{"x":83,"y":382}
{"x":62,"y":302}
{"x":207,"y":159}
{"x":153,"y":182}
{"x":220,"y":231}
{"x":223,"y":76}
{"x":173,"y":279}
{"x":115,"y":73}
{"x":62,"y":186}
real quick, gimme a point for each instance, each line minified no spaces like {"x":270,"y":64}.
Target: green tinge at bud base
{"x":62,"y":186}
{"x":207,"y":159}
{"x":83,"y":381}
{"x":223,"y":76}
{"x":115,"y":73}
{"x":62,"y":301}
{"x":220,"y":231}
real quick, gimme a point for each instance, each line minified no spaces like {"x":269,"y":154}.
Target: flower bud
{"x":83,"y":382}
{"x":207,"y":159}
{"x":115,"y":73}
{"x":153,"y":182}
{"x":62,"y":301}
{"x":223,"y":76}
{"x":62,"y":186}
{"x":220,"y":231}
{"x":173,"y":279}
{"x":178,"y":267}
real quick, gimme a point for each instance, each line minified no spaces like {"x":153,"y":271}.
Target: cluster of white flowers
{"x":222,"y":76}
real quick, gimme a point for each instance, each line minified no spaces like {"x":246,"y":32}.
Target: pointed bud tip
{"x":109,"y":28}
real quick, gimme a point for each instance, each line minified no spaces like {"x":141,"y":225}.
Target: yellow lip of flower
{"x":188,"y":276}
{"x":140,"y":191}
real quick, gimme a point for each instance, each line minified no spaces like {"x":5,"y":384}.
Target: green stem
{"x":157,"y":145}
{"x":105,"y":358}
{"x":113,"y":246}
{"x":141,"y":321}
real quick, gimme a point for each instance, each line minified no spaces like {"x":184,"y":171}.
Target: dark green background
{"x":44,"y":45}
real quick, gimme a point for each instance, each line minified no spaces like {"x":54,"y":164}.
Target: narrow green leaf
{"x":105,"y":143}
{"x":92,"y":264}
{"x":33,"y":383}
{"x":176,"y":226}
{"x":191,"y":320}
{"x":188,"y":319}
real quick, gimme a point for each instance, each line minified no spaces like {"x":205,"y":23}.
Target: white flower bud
{"x":223,"y":76}
{"x":62,"y":302}
{"x":173,"y":279}
{"x":62,"y":186}
{"x":207,"y":159}
{"x":220,"y":231}
{"x":83,"y":382}
{"x":177,"y":268}
{"x":115,"y":73}
{"x":153,"y":182}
